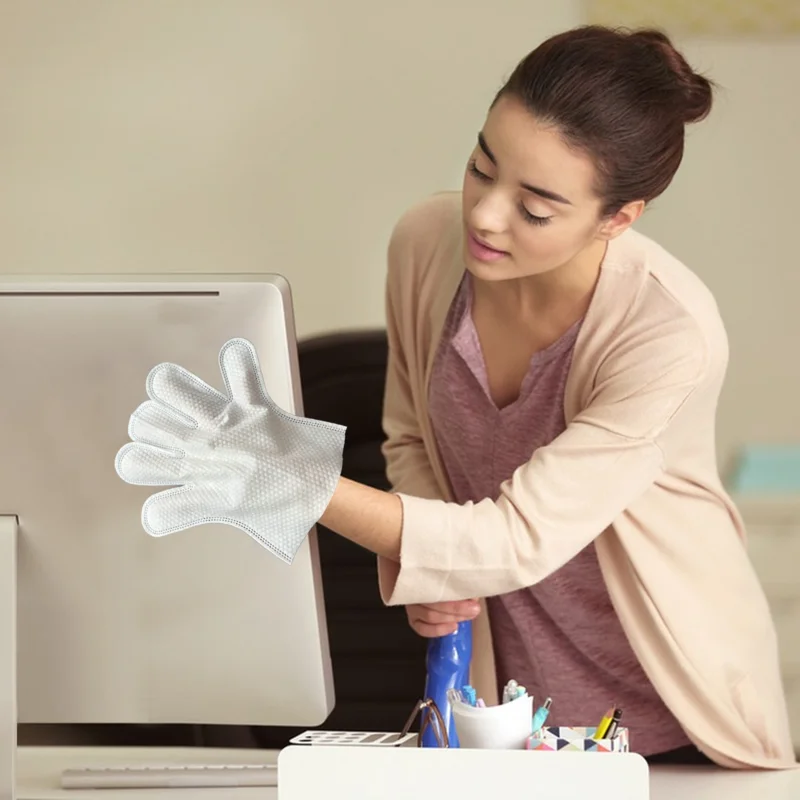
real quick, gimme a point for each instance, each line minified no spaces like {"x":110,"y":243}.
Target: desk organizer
{"x":355,"y":739}
{"x":431,"y":773}
{"x":560,"y":739}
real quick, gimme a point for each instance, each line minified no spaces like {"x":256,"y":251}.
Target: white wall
{"x":288,"y":135}
{"x":255,"y":135}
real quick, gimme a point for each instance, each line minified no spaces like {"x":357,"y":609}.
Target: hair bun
{"x":695,"y":89}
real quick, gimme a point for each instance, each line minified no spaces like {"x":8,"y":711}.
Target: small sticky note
{"x":767,"y":469}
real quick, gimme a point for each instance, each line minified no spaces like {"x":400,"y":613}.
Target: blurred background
{"x":289,"y":135}
{"x":142,"y":136}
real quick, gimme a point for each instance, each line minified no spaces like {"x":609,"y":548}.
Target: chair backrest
{"x":343,"y":377}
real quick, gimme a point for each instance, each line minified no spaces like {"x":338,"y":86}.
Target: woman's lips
{"x":481,"y":251}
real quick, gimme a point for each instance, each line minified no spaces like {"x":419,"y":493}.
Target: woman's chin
{"x":500,"y":270}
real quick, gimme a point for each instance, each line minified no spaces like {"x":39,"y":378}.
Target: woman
{"x":554,"y":376}
{"x":550,"y":409}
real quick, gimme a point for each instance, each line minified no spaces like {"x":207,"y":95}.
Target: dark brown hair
{"x":621,"y":96}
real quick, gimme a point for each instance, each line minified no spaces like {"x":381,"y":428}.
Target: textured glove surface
{"x":233,"y":458}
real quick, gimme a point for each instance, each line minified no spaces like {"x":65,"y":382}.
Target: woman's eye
{"x":484,"y":178}
{"x":532,"y":218}
{"x":481,"y":176}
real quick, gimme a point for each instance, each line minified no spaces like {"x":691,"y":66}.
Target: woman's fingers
{"x":441,"y":619}
{"x":433,"y":631}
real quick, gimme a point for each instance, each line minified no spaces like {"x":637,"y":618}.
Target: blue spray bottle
{"x":448,"y":662}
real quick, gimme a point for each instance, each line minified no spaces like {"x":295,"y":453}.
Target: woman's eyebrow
{"x":544,"y":193}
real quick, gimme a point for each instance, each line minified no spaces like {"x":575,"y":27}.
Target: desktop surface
{"x":39,"y":771}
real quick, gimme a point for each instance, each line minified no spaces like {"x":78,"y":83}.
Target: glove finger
{"x":146,"y":465}
{"x":156,"y":424}
{"x":172,"y":510}
{"x":238,"y":362}
{"x":185,"y":393}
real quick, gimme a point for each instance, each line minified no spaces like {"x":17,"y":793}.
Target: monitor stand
{"x":9,"y":525}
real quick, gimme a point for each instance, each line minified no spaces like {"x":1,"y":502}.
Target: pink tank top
{"x":560,"y":638}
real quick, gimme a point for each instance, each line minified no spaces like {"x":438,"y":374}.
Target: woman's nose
{"x":490,"y":213}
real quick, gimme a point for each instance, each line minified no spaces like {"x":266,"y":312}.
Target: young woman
{"x":550,"y":412}
{"x":550,"y":409}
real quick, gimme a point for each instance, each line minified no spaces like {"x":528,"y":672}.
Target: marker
{"x":469,"y":695}
{"x":602,"y":727}
{"x":479,"y":703}
{"x":612,"y":728}
{"x":540,"y":717}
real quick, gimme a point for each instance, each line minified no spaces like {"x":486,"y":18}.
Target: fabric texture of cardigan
{"x":635,"y":472}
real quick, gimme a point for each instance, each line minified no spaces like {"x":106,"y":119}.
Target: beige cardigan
{"x":635,"y":472}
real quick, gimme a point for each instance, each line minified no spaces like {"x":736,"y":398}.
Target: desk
{"x":709,"y":783}
{"x":39,"y":770}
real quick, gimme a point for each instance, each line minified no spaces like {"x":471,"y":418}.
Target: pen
{"x":540,"y":717}
{"x":612,"y":728}
{"x":602,"y":727}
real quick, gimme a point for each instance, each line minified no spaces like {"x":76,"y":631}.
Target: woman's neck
{"x":560,"y":294}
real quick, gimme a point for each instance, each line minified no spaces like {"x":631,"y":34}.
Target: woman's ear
{"x":613,"y":226}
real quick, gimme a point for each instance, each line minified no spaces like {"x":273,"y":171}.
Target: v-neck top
{"x":561,"y":637}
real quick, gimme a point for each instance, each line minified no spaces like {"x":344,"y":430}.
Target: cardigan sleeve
{"x":408,"y":467}
{"x":569,"y":492}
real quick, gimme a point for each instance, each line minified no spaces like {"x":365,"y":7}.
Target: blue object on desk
{"x":767,"y":469}
{"x":448,"y":662}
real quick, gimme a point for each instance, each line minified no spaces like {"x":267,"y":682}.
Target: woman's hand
{"x":440,"y":619}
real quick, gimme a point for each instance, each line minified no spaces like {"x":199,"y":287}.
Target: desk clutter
{"x":511,"y":725}
{"x":514,"y":725}
{"x":484,"y":752}
{"x":466,"y":748}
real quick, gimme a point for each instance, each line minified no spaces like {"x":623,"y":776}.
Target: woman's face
{"x":528,"y":199}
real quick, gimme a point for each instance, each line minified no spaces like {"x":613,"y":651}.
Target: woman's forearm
{"x":368,"y":517}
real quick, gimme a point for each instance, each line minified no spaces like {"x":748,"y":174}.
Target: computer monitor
{"x":199,"y":627}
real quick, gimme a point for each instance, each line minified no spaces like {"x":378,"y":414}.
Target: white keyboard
{"x":169,"y":777}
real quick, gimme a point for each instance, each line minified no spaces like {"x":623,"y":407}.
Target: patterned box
{"x":562,"y":738}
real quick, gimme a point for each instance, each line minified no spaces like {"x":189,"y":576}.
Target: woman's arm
{"x":552,"y":507}
{"x":366,"y":516}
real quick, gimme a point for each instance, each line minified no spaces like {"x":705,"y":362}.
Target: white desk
{"x":39,"y":771}
{"x":707,"y":783}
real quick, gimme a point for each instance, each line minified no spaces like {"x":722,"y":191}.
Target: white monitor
{"x":113,"y":626}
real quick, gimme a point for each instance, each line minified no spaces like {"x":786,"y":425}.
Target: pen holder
{"x":558,"y":739}
{"x":503,"y":727}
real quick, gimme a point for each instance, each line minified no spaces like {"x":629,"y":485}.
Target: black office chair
{"x":378,"y":661}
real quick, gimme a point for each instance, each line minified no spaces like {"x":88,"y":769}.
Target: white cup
{"x":503,"y":727}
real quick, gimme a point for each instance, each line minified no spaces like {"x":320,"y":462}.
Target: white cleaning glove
{"x":235,"y":459}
